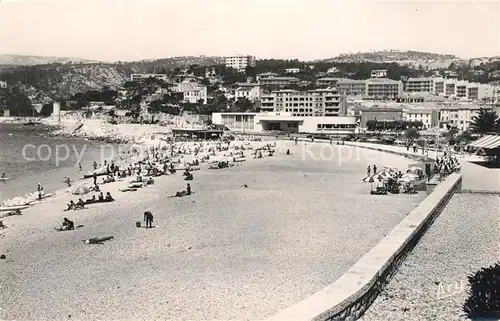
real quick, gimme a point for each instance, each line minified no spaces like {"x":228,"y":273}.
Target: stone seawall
{"x":351,"y":295}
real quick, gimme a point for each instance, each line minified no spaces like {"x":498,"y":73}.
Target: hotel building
{"x":352,"y":87}
{"x":383,"y":88}
{"x":420,"y":85}
{"x":428,"y":117}
{"x":251,"y":93}
{"x":240,"y":62}
{"x":458,"y":116}
{"x":192,"y":91}
{"x":320,"y":102}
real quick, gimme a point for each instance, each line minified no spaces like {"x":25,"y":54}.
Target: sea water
{"x":29,"y":156}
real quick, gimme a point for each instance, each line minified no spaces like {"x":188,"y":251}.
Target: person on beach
{"x":368,"y":171}
{"x":67,"y":225}
{"x":288,"y":152}
{"x":95,"y":177}
{"x":374,"y":169}
{"x":80,"y":166}
{"x":39,"y":190}
{"x":148,"y":218}
{"x":80,"y":204}
{"x":101,"y":197}
{"x":94,"y":165}
{"x":3,"y":176}
{"x":188,"y":189}
{"x":108,"y":197}
{"x":71,"y":206}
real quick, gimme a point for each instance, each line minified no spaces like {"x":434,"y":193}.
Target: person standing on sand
{"x":374,"y":169}
{"x":368,"y":171}
{"x":39,"y":190}
{"x":148,"y":218}
{"x":188,"y":189}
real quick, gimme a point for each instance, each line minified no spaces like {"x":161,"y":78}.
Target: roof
{"x":421,"y":79}
{"x":279,"y":78}
{"x":487,"y":142}
{"x":383,"y":80}
{"x":346,"y":80}
{"x":420,"y":111}
{"x":398,"y":110}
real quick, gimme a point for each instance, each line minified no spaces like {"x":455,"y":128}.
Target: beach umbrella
{"x":81,"y":190}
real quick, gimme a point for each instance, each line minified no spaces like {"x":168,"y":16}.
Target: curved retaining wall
{"x":351,"y":295}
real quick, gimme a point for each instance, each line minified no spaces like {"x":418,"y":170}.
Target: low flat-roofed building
{"x":285,"y":122}
{"x":379,"y":73}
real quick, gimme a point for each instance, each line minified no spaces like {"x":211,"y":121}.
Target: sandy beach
{"x":225,"y":252}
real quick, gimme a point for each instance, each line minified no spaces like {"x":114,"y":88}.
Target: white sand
{"x":253,"y":251}
{"x":432,"y":283}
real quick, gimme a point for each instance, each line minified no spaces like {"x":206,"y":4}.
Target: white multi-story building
{"x":3,"y":84}
{"x":438,"y":86}
{"x":449,"y":87}
{"x":420,"y":85}
{"x":319,"y":102}
{"x":383,"y":88}
{"x":461,"y":89}
{"x":428,"y":117}
{"x":240,"y":62}
{"x":379,"y":73}
{"x":142,"y":77}
{"x":192,"y":91}
{"x":286,"y":122}
{"x":352,"y":87}
{"x":250,"y":93}
{"x":459,"y":116}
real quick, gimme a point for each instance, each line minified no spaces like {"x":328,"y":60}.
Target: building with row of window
{"x":240,"y":62}
{"x":285,"y":122}
{"x":451,"y":88}
{"x":192,"y":91}
{"x":374,"y":88}
{"x":310,"y":103}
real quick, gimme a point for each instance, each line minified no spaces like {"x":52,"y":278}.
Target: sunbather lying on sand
{"x":98,"y":240}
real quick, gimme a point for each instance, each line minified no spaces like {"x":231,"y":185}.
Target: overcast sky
{"x":112,"y":30}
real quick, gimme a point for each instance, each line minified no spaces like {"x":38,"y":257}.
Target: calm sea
{"x":29,"y":157}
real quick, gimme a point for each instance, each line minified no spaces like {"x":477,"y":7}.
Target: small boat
{"x":36,"y":201}
{"x":13,"y":208}
{"x":99,"y":172}
{"x":4,"y":179}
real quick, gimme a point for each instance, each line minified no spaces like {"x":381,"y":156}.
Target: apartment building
{"x":379,"y":73}
{"x":438,"y":86}
{"x":278,"y":81}
{"x":251,"y":93}
{"x":461,"y":89}
{"x":192,"y":91}
{"x":352,"y":87}
{"x":459,"y":116}
{"x":311,"y":103}
{"x":420,"y":85}
{"x":240,"y":62}
{"x":195,"y":95}
{"x":327,"y":81}
{"x":449,"y":87}
{"x":143,"y":77}
{"x":428,"y":117}
{"x":383,"y":88}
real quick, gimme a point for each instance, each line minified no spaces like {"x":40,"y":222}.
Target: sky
{"x":124,"y":30}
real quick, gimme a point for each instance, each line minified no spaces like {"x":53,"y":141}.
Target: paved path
{"x":475,"y":177}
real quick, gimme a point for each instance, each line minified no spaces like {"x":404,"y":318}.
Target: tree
{"x":412,"y":134}
{"x":485,"y":121}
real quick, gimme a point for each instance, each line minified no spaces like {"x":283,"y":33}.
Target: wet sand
{"x":226,"y":252}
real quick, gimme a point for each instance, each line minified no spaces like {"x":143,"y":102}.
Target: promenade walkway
{"x":475,"y":177}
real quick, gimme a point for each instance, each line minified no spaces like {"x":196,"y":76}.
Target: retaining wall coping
{"x":364,"y":273}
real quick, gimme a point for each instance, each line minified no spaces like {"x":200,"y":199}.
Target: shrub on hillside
{"x":484,"y":294}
